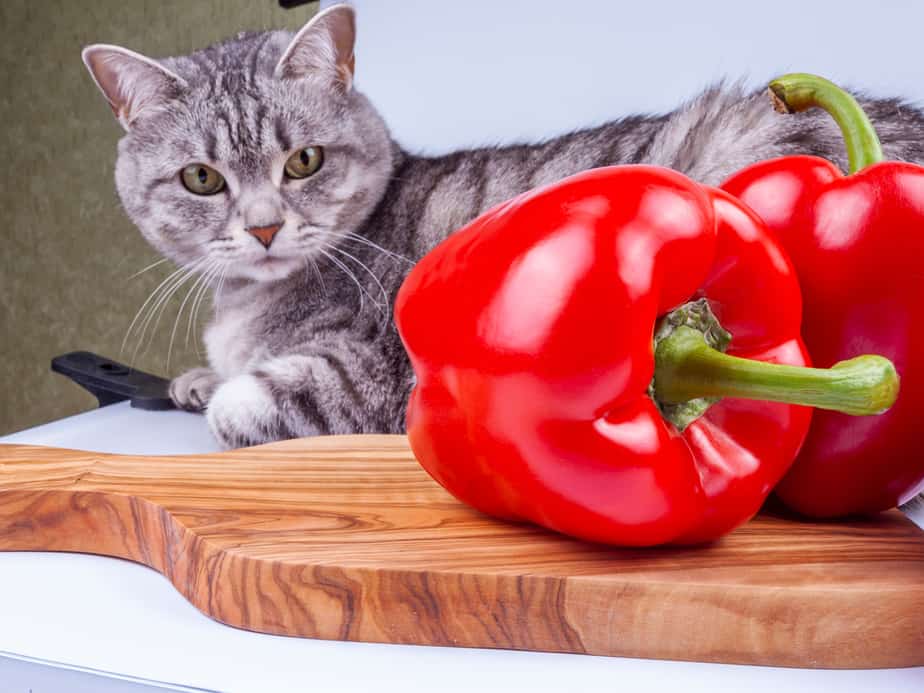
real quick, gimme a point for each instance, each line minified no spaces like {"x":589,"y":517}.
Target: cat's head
{"x":253,"y":152}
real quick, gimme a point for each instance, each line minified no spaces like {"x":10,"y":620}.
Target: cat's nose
{"x":265,"y":234}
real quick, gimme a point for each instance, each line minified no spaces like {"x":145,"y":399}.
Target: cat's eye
{"x":202,"y":180}
{"x":304,"y":162}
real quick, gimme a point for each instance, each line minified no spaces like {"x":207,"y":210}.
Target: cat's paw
{"x":242,"y":412}
{"x":193,"y":390}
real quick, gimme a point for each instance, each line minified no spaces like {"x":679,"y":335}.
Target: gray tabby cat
{"x":256,"y":163}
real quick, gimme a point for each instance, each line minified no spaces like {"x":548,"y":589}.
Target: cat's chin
{"x":269,"y":269}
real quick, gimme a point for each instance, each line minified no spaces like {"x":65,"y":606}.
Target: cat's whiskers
{"x":221,"y":283}
{"x":346,"y":270}
{"x":192,"y":321}
{"x":149,"y":267}
{"x":216,"y":275}
{"x":176,"y":320}
{"x":216,"y":305}
{"x":159,"y":307}
{"x":314,"y":265}
{"x":141,"y":346}
{"x":200,"y":281}
{"x":350,"y":236}
{"x":151,"y":297}
{"x":369,"y":271}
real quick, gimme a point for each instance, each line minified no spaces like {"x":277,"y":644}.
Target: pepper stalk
{"x":800,"y":91}
{"x":691,"y":374}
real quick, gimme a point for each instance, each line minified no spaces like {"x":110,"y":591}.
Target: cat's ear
{"x":323,"y":48}
{"x":132,"y":84}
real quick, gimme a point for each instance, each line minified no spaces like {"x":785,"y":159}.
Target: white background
{"x":451,"y":74}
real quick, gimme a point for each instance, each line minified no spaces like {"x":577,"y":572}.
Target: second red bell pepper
{"x":544,"y":392}
{"x":857,"y":243}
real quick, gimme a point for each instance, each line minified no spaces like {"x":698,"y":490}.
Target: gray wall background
{"x":68,"y":249}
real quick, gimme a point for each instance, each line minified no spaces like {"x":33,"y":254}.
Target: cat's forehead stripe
{"x":255,"y":55}
{"x":282,"y":138}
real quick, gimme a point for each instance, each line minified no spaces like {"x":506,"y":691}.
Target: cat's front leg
{"x":193,"y":389}
{"x":244,"y":412}
{"x":325,"y":391}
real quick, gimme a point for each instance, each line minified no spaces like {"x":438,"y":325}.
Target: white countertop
{"x":122,"y":619}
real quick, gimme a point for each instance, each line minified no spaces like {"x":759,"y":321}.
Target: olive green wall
{"x":68,"y":249}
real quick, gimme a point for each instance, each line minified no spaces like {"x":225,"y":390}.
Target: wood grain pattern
{"x":346,"y":537}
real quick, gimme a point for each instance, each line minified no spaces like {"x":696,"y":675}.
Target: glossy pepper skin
{"x":530,"y":332}
{"x":857,"y":243}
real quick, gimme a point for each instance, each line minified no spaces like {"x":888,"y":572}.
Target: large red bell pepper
{"x":539,"y":395}
{"x":857,"y":243}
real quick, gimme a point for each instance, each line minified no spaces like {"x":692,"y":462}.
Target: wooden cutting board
{"x":347,"y":538}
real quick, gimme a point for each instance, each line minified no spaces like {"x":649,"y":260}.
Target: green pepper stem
{"x":799,"y":91}
{"x":687,"y":368}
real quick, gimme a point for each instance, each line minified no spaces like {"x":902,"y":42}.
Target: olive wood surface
{"x":347,"y":538}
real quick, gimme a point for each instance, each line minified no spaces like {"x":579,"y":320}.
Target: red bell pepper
{"x":857,"y":243}
{"x":539,"y":394}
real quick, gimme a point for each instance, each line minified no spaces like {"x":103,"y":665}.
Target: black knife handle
{"x":110,"y":381}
